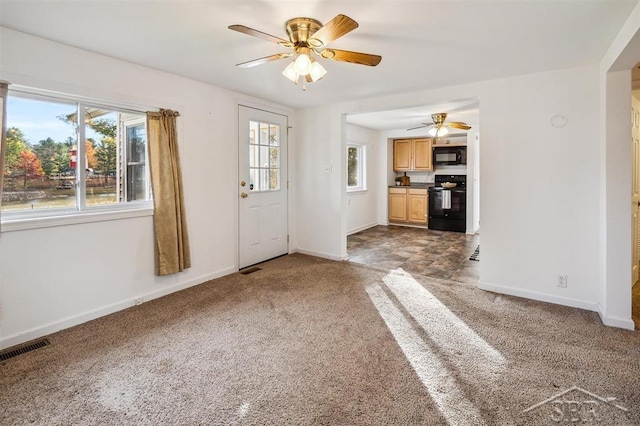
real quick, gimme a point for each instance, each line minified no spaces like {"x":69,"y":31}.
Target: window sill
{"x":62,"y":219}
{"x":357,"y":191}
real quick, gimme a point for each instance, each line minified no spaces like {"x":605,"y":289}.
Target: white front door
{"x":262,"y":186}
{"x":635,"y":188}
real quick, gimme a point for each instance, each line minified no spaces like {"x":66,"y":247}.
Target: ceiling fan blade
{"x":264,"y":60}
{"x":332,"y":30}
{"x":255,"y":33}
{"x":353,"y":57}
{"x":420,"y":127}
{"x":457,"y":125}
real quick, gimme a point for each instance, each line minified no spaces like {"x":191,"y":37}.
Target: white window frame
{"x":126,"y":161}
{"x":29,"y":219}
{"x":361,"y":168}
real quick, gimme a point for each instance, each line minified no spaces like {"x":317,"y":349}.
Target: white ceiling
{"x":466,"y":111}
{"x":424,"y":44}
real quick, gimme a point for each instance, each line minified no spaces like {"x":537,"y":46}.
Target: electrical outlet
{"x":562,"y":281}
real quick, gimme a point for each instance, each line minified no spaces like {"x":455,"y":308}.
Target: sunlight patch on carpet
{"x":119,"y":390}
{"x":439,"y":382}
{"x":442,"y":349}
{"x":444,"y":328}
{"x":242,"y":410}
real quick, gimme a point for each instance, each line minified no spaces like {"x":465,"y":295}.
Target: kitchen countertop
{"x":415,"y":185}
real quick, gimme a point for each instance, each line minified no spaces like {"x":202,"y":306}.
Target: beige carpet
{"x":310,"y":341}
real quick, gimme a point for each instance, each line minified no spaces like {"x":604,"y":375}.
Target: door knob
{"x":243,"y":195}
{"x":243,"y":183}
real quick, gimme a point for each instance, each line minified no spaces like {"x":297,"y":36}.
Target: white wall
{"x":539,"y":198}
{"x":362,"y":206}
{"x":52,"y":278}
{"x":320,"y":166}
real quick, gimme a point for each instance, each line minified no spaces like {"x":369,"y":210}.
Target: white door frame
{"x":267,"y":238}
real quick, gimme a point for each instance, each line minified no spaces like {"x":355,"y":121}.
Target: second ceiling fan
{"x":439,"y":127}
{"x":305,"y":37}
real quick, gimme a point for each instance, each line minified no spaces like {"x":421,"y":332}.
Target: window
{"x":264,"y":156}
{"x":356,"y":166}
{"x":49,"y":172}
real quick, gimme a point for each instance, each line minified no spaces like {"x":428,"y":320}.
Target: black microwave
{"x":449,"y":155}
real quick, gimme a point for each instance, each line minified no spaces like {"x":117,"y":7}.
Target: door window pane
{"x":274,"y":179}
{"x":264,"y":179}
{"x":254,"y":156}
{"x":264,"y":156}
{"x":274,"y":135}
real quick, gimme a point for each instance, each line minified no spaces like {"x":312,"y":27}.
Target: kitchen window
{"x":68,"y":158}
{"x":356,"y":168}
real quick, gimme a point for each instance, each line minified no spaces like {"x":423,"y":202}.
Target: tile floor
{"x":438,"y":254}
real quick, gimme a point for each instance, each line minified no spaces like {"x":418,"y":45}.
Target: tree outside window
{"x":47,"y":168}
{"x":356,"y":176}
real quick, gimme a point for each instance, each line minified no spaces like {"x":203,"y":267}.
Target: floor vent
{"x":248,"y":271}
{"x":11,"y":353}
{"x":476,"y":254}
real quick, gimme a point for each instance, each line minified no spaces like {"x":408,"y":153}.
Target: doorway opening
{"x":387,"y":224}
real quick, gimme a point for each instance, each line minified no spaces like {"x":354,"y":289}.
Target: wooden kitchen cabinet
{"x":397,"y":204}
{"x":417,"y":206}
{"x":402,"y":154}
{"x":408,"y":205}
{"x":412,"y":155}
{"x":422,"y":154}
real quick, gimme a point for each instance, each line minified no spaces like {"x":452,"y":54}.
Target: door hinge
{"x":287,"y":237}
{"x":288,"y":187}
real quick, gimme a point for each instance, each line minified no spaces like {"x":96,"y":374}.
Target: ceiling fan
{"x":439,"y":127}
{"x":305,"y":37}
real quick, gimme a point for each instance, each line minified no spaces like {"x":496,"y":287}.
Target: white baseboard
{"x":321,"y":254}
{"x":362,"y":228}
{"x":627,"y":324}
{"x":45,"y":330}
{"x":542,"y":297}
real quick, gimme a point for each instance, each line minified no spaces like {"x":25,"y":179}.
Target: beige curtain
{"x":169,"y":220}
{"x":4,"y":87}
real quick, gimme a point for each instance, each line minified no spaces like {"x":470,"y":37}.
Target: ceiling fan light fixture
{"x":303,"y":64}
{"x":317,"y":71}
{"x":290,"y":72}
{"x":438,"y":131}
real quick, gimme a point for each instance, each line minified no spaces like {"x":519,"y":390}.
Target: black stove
{"x":448,"y":206}
{"x":459,"y":180}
